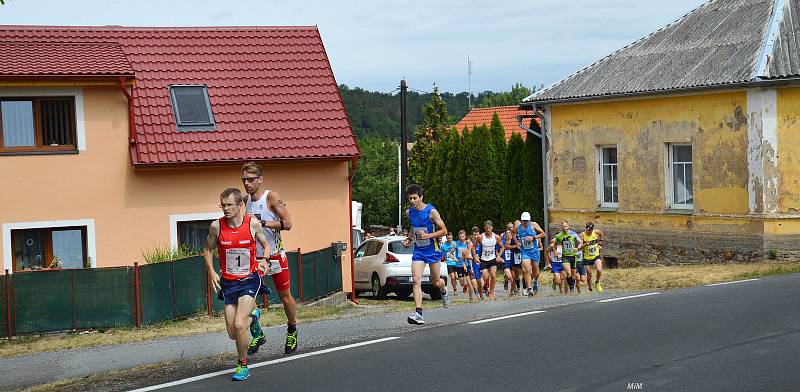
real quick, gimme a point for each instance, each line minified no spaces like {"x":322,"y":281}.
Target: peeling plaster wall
{"x":762,"y":155}
{"x":788,"y":134}
{"x":714,"y":124}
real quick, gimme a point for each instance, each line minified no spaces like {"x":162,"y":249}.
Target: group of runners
{"x":472,"y":261}
{"x":248,"y":241}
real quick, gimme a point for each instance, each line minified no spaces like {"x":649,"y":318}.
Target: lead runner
{"x":235,"y":236}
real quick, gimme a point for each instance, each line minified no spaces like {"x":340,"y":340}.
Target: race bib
{"x":592,"y":250}
{"x":418,"y":241}
{"x":487,"y":254}
{"x":237,"y":261}
{"x":274,"y":267}
{"x":568,"y":246}
{"x":507,"y":255}
{"x":526,"y":243}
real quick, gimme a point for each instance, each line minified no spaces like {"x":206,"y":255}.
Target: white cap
{"x":526,"y":216}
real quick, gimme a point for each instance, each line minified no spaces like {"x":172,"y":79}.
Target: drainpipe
{"x":131,"y":129}
{"x":350,"y":208}
{"x":543,"y":136}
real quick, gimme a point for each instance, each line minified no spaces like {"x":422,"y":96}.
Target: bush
{"x":162,"y":253}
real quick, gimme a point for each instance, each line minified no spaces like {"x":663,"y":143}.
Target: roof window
{"x":192,"y":107}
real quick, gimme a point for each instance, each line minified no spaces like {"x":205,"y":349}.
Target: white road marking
{"x":735,"y":281}
{"x":505,"y":317}
{"x":266,"y":363}
{"x":628,"y":297}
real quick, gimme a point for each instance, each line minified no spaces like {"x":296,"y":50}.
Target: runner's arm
{"x":276,"y":204}
{"x":502,"y":247}
{"x":437,"y":220}
{"x":538,"y":230}
{"x":208,"y":254}
{"x":258,"y":234}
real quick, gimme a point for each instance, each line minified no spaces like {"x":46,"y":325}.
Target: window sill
{"x":607,"y":209}
{"x":39,"y":152}
{"x":679,"y":211}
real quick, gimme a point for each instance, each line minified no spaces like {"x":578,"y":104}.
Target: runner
{"x":234,"y":236}
{"x":592,"y":239}
{"x":453,"y":270}
{"x":570,"y":242}
{"x":510,"y":244}
{"x":559,"y":269}
{"x":489,"y":256}
{"x":475,"y":275}
{"x":528,"y":233}
{"x":426,"y":227}
{"x":268,"y":208}
{"x":461,"y":253}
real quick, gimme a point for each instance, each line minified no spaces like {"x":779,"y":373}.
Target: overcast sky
{"x":374,"y":43}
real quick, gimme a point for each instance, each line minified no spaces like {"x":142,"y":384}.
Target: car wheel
{"x":377,"y":290}
{"x":435,"y":294}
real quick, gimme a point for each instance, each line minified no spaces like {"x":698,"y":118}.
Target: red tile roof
{"x":480,"y":116}
{"x":62,"y":59}
{"x":272,"y":90}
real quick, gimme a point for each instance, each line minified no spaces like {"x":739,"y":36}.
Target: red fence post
{"x":8,"y":307}
{"x":300,"y":274}
{"x":138,"y":289}
{"x":132,"y":296}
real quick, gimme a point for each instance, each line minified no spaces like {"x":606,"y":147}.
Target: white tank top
{"x":260,"y":208}
{"x":487,"y":247}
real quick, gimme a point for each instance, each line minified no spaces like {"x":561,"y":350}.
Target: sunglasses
{"x":227,"y":205}
{"x":249,"y":179}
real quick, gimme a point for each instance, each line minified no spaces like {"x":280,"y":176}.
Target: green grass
{"x":162,"y":253}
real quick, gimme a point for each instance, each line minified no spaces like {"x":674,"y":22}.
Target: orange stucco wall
{"x":132,"y":208}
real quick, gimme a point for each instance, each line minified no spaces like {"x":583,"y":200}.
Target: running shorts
{"x":458,"y":270}
{"x":557,"y":267}
{"x":485,"y":265}
{"x":570,"y":260}
{"x":235,"y":288}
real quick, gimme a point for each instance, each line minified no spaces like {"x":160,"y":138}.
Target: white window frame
{"x":75,"y":93}
{"x":670,"y":179}
{"x":91,"y":247}
{"x":600,"y":180}
{"x":174,"y":219}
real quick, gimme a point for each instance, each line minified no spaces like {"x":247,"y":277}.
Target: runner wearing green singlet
{"x":570,"y":243}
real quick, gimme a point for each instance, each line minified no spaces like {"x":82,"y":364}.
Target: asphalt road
{"x":738,"y":337}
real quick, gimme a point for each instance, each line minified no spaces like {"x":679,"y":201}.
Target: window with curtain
{"x":37,"y":124}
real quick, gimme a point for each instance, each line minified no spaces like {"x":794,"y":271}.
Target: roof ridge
{"x":157,"y":28}
{"x":542,"y":91}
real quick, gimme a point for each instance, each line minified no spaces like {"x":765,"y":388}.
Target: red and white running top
{"x":237,"y":250}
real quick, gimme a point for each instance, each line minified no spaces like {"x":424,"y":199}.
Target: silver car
{"x":383,"y":265}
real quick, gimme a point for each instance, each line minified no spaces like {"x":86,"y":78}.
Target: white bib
{"x":237,"y":261}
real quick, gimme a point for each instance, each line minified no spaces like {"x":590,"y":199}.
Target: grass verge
{"x":30,"y":344}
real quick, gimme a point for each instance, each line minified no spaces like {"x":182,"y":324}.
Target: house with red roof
{"x":483,"y":116}
{"x":114,"y":140}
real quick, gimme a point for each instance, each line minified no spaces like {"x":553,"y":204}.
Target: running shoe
{"x":291,"y":342}
{"x":491,"y":296}
{"x":242,"y":373}
{"x":255,"y":326}
{"x":255,"y":343}
{"x":599,"y":287}
{"x":445,"y":299}
{"x":505,"y":285}
{"x":524,"y":292}
{"x":536,"y":287}
{"x":415,"y":318}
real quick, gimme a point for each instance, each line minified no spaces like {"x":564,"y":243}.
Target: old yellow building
{"x":684,"y":146}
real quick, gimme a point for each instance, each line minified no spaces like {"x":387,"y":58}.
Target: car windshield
{"x":399,"y":248}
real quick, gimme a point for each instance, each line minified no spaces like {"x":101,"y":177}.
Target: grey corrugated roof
{"x":718,"y":43}
{"x":785,"y":58}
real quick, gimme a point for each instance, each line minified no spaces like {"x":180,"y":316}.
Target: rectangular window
{"x":192,"y":108}
{"x":609,"y":194}
{"x":193,"y":233}
{"x":39,"y":248}
{"x":37,"y":124}
{"x":680,"y":169}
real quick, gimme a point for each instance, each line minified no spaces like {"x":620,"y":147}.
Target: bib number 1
{"x":237,"y":261}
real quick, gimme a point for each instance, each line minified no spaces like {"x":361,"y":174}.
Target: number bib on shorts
{"x":274,"y":267}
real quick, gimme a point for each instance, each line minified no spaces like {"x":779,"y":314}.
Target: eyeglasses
{"x":249,"y":179}
{"x":227,"y":205}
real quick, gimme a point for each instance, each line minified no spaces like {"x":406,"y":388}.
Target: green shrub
{"x":161,"y":253}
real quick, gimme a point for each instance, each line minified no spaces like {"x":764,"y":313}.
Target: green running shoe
{"x":255,"y":343}
{"x":255,"y":326}
{"x":291,"y":343}
{"x":242,"y":373}
{"x":599,"y":287}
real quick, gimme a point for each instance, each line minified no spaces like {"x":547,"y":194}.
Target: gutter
{"x":131,"y":123}
{"x":543,"y":136}
{"x":350,"y":208}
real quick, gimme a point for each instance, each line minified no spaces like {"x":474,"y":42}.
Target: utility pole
{"x":403,"y":144}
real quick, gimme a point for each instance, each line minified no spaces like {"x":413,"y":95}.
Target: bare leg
{"x":242,"y":321}
{"x":417,"y":267}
